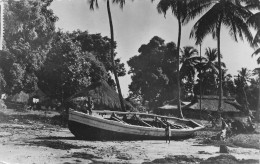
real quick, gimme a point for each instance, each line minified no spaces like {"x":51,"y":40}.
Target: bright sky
{"x":136,"y":24}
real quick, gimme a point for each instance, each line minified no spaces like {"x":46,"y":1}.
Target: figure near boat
{"x":168,"y":133}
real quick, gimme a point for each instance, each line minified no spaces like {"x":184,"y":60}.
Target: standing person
{"x":224,"y":128}
{"x":168,"y":133}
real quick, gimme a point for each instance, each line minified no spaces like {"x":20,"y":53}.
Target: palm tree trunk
{"x":200,"y":82}
{"x":112,"y":57}
{"x":219,"y":65}
{"x":246,"y":101}
{"x":178,"y":71}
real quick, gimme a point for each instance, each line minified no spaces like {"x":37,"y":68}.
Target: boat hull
{"x":87,"y":127}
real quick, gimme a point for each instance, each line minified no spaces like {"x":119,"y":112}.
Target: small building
{"x":209,"y":105}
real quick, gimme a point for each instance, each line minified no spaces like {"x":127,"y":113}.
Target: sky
{"x":137,"y":23}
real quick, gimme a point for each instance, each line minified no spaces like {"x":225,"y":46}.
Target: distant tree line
{"x":154,"y":75}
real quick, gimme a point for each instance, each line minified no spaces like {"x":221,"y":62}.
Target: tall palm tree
{"x":221,"y":12}
{"x":112,"y":53}
{"x":180,"y":9}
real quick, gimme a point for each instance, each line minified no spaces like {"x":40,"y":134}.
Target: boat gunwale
{"x":134,"y":127}
{"x":151,"y":115}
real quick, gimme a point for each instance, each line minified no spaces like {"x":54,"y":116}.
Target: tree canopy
{"x":153,"y":71}
{"x":31,"y":25}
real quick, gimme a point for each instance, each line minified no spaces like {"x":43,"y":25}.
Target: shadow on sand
{"x":54,"y":144}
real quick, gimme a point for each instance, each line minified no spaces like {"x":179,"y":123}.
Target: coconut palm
{"x":188,"y":60}
{"x":244,"y":76}
{"x":221,"y":13}
{"x":180,"y":9}
{"x":212,"y":63}
{"x":112,"y":53}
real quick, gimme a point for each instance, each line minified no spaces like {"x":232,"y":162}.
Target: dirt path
{"x":28,"y":144}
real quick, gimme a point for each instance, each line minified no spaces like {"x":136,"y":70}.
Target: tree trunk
{"x":112,"y":57}
{"x":200,"y":82}
{"x":178,"y":71}
{"x":220,"y":70}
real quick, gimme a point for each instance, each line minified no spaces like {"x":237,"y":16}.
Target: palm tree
{"x":244,"y":76}
{"x":188,"y":60}
{"x":180,"y":9}
{"x":208,"y":71}
{"x":222,"y":12}
{"x":112,"y":53}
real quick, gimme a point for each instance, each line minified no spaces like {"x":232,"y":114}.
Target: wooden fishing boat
{"x":112,"y":125}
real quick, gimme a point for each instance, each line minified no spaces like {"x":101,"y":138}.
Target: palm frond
{"x":257,"y":51}
{"x":242,"y":29}
{"x":252,"y":4}
{"x":120,"y":2}
{"x":254,"y":20}
{"x":163,"y":6}
{"x":93,"y":3}
{"x":256,"y":38}
{"x":206,"y":24}
{"x":211,"y":54}
{"x":196,"y":8}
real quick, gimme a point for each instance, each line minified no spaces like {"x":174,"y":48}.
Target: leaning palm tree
{"x":112,"y":53}
{"x":180,"y":9}
{"x":221,"y":13}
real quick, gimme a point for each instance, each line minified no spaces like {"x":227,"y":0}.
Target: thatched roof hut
{"x":210,"y":103}
{"x":103,"y":96}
